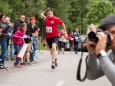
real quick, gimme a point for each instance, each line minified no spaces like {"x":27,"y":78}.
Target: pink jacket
{"x":17,"y":37}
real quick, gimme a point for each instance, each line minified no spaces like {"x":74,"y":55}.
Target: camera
{"x":92,"y":37}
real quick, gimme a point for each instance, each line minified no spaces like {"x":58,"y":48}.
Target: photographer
{"x":97,"y":51}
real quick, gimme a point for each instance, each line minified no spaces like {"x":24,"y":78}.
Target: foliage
{"x":98,"y":11}
{"x":74,"y":13}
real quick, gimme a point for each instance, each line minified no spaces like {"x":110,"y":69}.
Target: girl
{"x":18,"y":41}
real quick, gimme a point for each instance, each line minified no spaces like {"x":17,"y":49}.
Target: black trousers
{"x":75,"y":45}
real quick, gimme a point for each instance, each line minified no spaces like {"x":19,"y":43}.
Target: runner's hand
{"x":65,"y":35}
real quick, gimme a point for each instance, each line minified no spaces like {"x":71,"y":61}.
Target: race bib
{"x":76,"y":38}
{"x":49,"y":29}
{"x":71,"y":39}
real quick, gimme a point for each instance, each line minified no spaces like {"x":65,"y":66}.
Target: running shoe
{"x":53,"y":65}
{"x":56,"y":64}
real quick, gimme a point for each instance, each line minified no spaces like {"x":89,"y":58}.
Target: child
{"x":18,"y":41}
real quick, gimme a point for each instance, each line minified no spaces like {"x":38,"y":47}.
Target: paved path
{"x":41,"y":73}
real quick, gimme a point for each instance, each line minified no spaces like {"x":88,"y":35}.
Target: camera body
{"x":92,"y":37}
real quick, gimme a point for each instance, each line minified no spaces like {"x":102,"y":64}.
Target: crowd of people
{"x":73,"y":38}
{"x":26,"y":32}
{"x":16,"y":35}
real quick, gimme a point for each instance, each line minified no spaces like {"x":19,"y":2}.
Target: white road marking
{"x":60,"y":83}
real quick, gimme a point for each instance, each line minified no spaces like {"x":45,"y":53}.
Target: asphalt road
{"x":41,"y":73}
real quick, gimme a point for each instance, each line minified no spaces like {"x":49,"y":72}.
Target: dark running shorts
{"x":52,"y":40}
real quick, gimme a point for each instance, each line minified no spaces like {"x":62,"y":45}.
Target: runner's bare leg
{"x":54,"y":52}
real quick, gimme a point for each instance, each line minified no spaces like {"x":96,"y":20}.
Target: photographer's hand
{"x":90,"y":46}
{"x":101,"y":45}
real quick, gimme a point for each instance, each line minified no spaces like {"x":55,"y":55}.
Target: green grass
{"x":41,"y":46}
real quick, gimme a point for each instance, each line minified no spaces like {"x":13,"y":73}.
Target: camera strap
{"x":79,"y":69}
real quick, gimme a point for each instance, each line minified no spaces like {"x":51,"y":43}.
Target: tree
{"x":78,"y":13}
{"x":5,"y":7}
{"x":98,"y":11}
{"x":61,"y":8}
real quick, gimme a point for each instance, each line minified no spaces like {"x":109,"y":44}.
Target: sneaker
{"x":7,"y":59}
{"x":56,"y":64}
{"x":33,"y":62}
{"x":53,"y":65}
{"x":76,"y":52}
{"x":12,"y":59}
{"x":18,"y":65}
{"x":28,"y":63}
{"x":2,"y":67}
{"x":22,"y":63}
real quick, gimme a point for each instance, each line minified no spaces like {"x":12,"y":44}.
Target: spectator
{"x":21,"y":21}
{"x":10,"y":31}
{"x":17,"y":25}
{"x":33,"y":31}
{"x":18,"y":41}
{"x":4,"y":26}
{"x":92,"y":27}
{"x":71,"y":40}
{"x":76,"y":37}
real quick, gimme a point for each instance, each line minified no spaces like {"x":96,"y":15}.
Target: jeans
{"x":32,"y":54}
{"x":11,"y":50}
{"x":4,"y":51}
{"x":6,"y":55}
{"x":17,"y":49}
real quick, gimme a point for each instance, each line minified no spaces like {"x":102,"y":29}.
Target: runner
{"x":61,"y":42}
{"x":52,"y":33}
